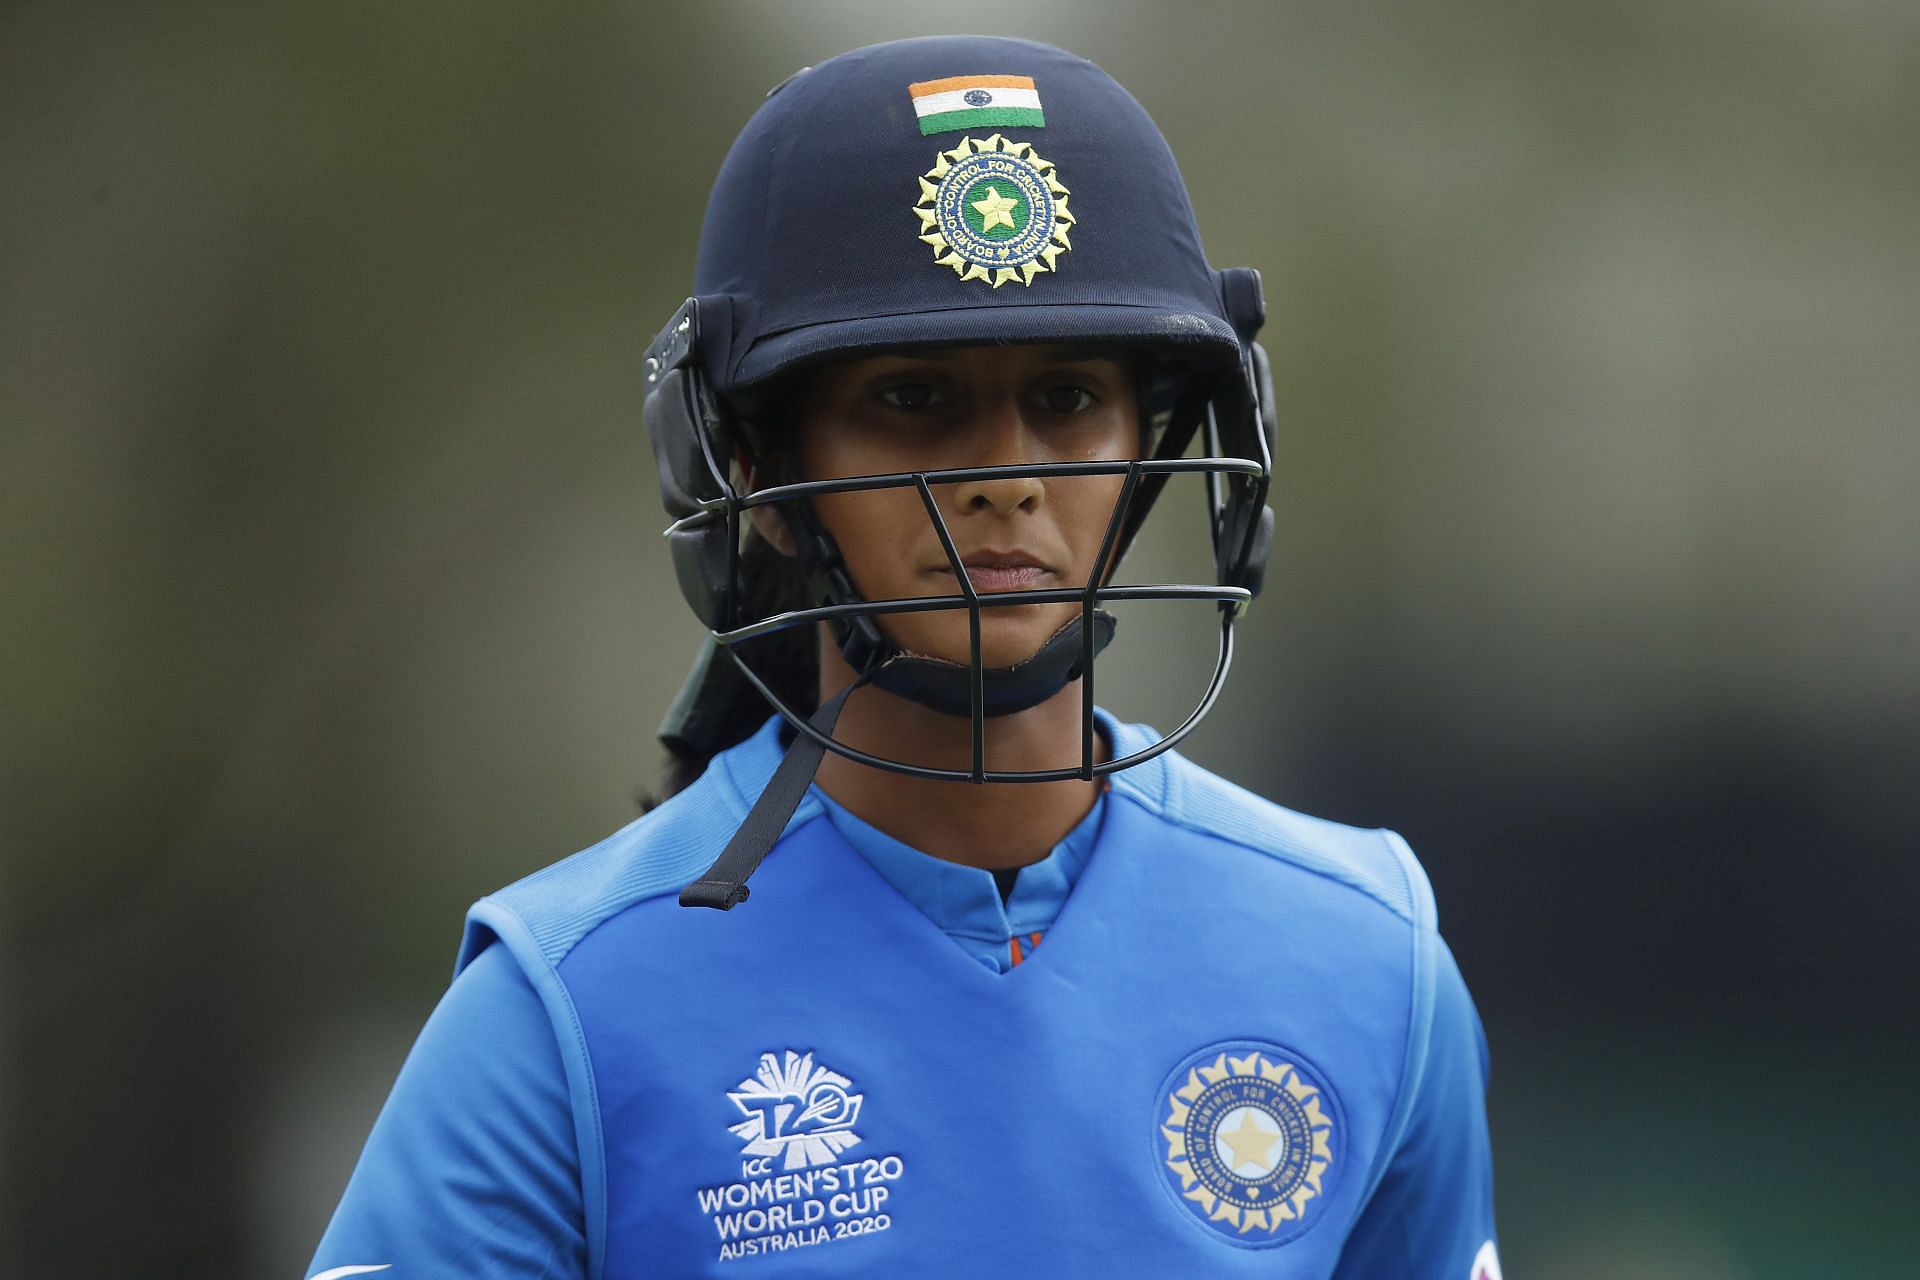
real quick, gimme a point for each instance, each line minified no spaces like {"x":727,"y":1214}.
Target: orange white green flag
{"x":976,"y":102}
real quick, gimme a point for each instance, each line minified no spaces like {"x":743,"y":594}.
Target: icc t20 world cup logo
{"x":796,"y":1110}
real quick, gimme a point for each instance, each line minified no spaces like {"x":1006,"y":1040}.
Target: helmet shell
{"x":812,"y":246}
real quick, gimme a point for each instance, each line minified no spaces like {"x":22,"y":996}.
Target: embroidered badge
{"x":1486,"y":1263}
{"x":794,"y":1188}
{"x":977,"y":102}
{"x":994,"y":211}
{"x":1249,"y":1141}
{"x":800,"y":1112}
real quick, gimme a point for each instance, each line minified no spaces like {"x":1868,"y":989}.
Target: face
{"x":971,"y":407}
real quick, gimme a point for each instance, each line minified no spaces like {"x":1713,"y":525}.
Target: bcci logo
{"x":994,"y":211}
{"x":796,"y":1110}
{"x":1249,"y":1141}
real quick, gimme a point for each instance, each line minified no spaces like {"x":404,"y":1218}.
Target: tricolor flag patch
{"x":977,"y":102}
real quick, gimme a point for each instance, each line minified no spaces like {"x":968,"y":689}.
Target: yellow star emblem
{"x":1249,"y":1143}
{"x":995,"y":210}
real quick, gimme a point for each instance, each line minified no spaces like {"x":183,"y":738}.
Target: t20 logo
{"x":796,"y":1110}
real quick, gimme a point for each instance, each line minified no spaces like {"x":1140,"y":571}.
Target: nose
{"x":1003,"y":440}
{"x":1006,"y":496}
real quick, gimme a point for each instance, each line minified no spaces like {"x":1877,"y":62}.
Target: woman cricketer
{"x":926,"y":965}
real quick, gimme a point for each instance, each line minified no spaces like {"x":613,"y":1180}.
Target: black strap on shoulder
{"x":724,"y":886}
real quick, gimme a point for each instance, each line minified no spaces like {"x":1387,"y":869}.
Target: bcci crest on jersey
{"x":794,"y":1190}
{"x":1250,"y":1140}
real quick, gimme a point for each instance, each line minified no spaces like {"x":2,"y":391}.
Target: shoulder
{"x":1354,"y":888}
{"x":1373,"y":862}
{"x":1377,"y":902}
{"x":546,"y":914}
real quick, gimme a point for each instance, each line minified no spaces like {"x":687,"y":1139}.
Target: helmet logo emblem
{"x":994,"y":211}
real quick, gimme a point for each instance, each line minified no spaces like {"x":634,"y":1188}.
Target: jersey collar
{"x":963,"y":900}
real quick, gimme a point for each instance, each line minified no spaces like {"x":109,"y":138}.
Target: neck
{"x":995,"y":824}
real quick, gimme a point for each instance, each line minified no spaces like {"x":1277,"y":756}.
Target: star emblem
{"x":995,"y":210}
{"x":1249,"y":1143}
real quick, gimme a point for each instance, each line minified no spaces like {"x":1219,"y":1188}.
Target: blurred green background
{"x":331,"y":595}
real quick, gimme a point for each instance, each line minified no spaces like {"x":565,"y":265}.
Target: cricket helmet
{"x":941,"y":192}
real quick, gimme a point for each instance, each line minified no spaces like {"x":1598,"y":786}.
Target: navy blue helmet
{"x":941,"y":192}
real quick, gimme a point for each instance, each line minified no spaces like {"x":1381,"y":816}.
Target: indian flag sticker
{"x":976,"y":102}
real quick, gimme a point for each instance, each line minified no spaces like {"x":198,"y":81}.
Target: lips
{"x":1002,"y":570}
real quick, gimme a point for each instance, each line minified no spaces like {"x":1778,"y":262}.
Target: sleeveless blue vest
{"x":1200,"y":1072}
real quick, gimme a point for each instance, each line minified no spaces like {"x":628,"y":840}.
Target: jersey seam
{"x":1399,"y":1115}
{"x":595,"y":1225}
{"x":555,"y":962}
{"x":1279,"y":856}
{"x":724,"y":775}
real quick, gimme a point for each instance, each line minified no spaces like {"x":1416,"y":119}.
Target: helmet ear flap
{"x":1245,"y":299}
{"x":690,"y":435}
{"x":1253,"y":574}
{"x":1247,"y":425}
{"x":1244,"y":425}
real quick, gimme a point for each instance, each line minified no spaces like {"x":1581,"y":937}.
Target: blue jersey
{"x":1241,"y":1049}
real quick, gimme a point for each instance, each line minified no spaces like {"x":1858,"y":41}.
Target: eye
{"x":908,"y":395}
{"x":1067,"y":398}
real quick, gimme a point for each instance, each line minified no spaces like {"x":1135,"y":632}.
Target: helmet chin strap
{"x":933,"y":682}
{"x":947,"y":687}
{"x":723,"y":886}
{"x":937,"y":683}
